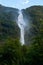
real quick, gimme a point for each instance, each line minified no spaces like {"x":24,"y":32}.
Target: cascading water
{"x":21,"y":25}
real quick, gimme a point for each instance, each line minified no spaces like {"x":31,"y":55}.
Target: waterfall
{"x":21,"y":25}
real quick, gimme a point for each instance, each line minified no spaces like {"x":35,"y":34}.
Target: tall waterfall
{"x":21,"y":25}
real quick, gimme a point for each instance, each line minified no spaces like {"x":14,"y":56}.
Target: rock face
{"x":34,"y":16}
{"x":8,"y":25}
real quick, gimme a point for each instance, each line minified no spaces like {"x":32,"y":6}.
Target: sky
{"x":21,"y":4}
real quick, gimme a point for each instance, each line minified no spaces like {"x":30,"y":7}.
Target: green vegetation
{"x":34,"y":15}
{"x":13,"y":53}
{"x":11,"y":50}
{"x":8,"y":25}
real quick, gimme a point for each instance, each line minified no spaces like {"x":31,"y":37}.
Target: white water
{"x":21,"y":25}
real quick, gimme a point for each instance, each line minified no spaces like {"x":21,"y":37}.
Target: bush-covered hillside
{"x":12,"y":52}
{"x":34,"y":14}
{"x":8,"y":25}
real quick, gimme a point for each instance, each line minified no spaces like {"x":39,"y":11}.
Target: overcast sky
{"x":20,"y":4}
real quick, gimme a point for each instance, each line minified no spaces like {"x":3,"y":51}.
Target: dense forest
{"x":11,"y":50}
{"x":8,"y":25}
{"x":34,"y":14}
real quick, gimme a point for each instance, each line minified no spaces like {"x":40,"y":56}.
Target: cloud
{"x":26,"y":2}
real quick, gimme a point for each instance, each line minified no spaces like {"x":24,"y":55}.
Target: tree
{"x":9,"y":52}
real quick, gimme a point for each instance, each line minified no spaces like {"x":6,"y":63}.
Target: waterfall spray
{"x":21,"y":25}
